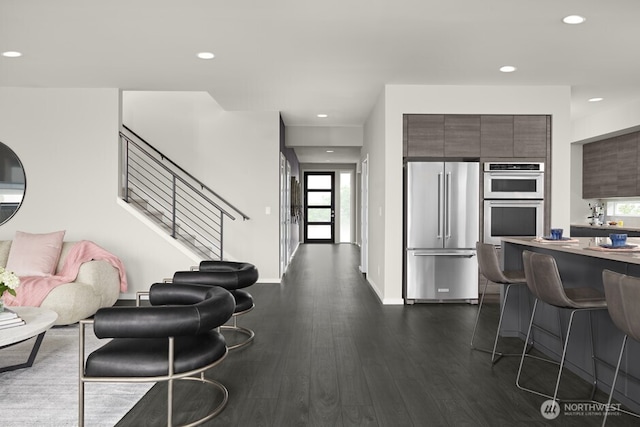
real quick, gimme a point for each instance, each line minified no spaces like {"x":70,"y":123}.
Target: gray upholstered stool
{"x":623,"y":302}
{"x":490,"y":268}
{"x":543,"y":280}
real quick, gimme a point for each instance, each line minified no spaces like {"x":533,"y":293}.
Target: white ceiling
{"x":304,"y":57}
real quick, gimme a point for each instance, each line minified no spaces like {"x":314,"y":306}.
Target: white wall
{"x":67,"y":140}
{"x":383,"y":143}
{"x":236,"y":154}
{"x":380,"y":253}
{"x":301,"y":136}
{"x":610,"y":122}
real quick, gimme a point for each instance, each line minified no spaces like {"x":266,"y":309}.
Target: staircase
{"x":173,"y":199}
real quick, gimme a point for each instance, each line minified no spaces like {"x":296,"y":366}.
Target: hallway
{"x":328,"y":353}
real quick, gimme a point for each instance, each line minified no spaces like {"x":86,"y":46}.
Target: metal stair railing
{"x":171,"y":197}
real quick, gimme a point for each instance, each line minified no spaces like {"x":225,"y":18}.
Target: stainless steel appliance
{"x":513,"y":200}
{"x":512,"y":218}
{"x":513,"y":180}
{"x":442,"y":222}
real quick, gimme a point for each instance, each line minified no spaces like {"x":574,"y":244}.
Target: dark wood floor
{"x":328,"y":353}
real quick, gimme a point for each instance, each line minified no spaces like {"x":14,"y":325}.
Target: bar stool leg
{"x":495,"y":342}
{"x":475,"y":326}
{"x":524,"y":350}
{"x":564,"y":354}
{"x":615,"y":377}
{"x":593,"y":360}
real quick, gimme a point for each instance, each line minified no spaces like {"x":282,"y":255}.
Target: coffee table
{"x":37,"y":321}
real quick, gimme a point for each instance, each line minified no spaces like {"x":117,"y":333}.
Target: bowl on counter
{"x":556,"y":233}
{"x":618,"y":239}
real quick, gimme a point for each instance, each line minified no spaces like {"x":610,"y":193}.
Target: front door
{"x":319,"y":207}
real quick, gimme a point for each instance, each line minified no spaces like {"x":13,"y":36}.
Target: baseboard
{"x":393,"y":301}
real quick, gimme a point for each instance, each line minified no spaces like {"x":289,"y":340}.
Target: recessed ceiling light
{"x":206,"y":55}
{"x":329,"y":151}
{"x":597,"y":99}
{"x":322,"y":116}
{"x":508,"y":69}
{"x":574,"y":19}
{"x":11,"y":54}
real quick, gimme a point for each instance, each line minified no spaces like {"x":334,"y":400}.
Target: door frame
{"x":364,"y":216}
{"x":332,"y":223}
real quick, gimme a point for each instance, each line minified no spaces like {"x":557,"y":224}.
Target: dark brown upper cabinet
{"x":530,"y":136}
{"x":475,"y":135}
{"x":424,"y":135}
{"x":626,"y":165}
{"x":611,"y":167}
{"x":496,"y":136}
{"x":591,"y":171}
{"x":462,"y":135}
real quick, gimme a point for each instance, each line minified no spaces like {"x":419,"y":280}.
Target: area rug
{"x":46,"y":394}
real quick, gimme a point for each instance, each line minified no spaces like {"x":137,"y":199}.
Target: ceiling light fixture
{"x":322,"y":116}
{"x":574,"y":19}
{"x":329,"y":151}
{"x":597,"y":99}
{"x":11,"y":54}
{"x":206,"y":55}
{"x":508,"y":69}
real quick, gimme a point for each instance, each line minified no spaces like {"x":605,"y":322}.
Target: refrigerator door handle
{"x":448,"y":206}
{"x":440,"y":206}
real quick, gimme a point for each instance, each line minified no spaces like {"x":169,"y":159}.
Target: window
{"x":345,"y":207}
{"x":623,"y":208}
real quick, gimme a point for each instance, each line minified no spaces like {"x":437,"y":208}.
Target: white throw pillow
{"x":35,"y":254}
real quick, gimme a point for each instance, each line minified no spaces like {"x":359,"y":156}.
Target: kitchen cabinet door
{"x":424,"y":135}
{"x":608,"y":174}
{"x":496,"y":136}
{"x":610,"y":168}
{"x":530,"y":136}
{"x":462,"y":135}
{"x":591,"y":171}
{"x":626,"y":167}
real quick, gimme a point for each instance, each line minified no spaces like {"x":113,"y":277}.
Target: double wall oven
{"x":513,"y":200}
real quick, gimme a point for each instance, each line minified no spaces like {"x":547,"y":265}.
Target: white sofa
{"x":97,"y":285}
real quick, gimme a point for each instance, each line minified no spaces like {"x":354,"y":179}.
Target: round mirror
{"x":12,"y":183}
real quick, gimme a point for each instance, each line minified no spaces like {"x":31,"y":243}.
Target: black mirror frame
{"x":15,"y":160}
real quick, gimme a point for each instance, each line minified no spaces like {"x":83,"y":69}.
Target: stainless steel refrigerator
{"x":442,"y":222}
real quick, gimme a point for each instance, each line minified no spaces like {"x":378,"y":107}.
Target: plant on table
{"x":9,"y":282}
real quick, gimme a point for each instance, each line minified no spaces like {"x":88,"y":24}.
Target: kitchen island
{"x":580,"y":262}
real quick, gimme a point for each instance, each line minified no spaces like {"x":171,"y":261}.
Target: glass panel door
{"x":319,"y":206}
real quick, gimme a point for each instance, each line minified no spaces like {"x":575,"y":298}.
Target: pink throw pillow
{"x":35,"y":254}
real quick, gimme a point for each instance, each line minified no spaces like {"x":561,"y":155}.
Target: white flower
{"x":9,"y":279}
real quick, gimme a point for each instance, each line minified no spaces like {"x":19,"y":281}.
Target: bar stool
{"x":490,"y":268}
{"x":623,"y":301}
{"x":232,"y":276}
{"x":543,"y":280}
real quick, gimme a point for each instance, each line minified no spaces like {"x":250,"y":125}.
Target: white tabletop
{"x":37,"y":320}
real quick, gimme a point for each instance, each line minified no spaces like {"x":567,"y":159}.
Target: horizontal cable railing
{"x":175,"y":200}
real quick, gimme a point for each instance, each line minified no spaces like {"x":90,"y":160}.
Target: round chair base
{"x":240,"y":330}
{"x":217,"y":409}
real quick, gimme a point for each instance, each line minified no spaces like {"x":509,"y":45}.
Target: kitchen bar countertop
{"x":584,"y":246}
{"x":578,"y":265}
